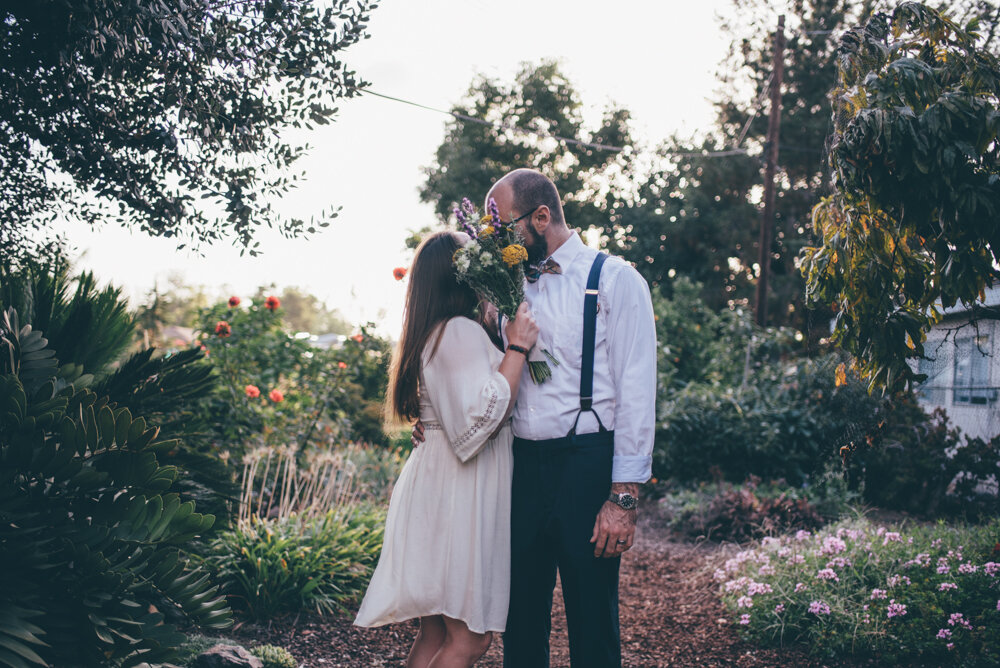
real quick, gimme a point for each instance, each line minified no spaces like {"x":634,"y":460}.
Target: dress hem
{"x":384,"y":622}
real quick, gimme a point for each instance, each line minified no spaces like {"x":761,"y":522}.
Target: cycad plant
{"x":90,"y":536}
{"x":90,"y":330}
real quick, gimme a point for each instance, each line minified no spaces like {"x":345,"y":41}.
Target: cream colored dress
{"x":447,"y":534}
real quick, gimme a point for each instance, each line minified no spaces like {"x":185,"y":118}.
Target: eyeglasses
{"x":525,"y":215}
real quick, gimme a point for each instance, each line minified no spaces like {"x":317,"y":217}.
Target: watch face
{"x":626,"y":501}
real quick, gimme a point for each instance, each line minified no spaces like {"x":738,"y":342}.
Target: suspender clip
{"x":591,"y":292}
{"x":586,"y":403}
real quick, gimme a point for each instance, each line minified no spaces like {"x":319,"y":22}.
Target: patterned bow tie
{"x":549,"y":266}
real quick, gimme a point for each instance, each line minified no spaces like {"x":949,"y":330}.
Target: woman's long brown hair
{"x":434,"y":296}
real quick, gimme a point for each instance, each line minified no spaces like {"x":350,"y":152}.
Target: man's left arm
{"x":631,"y":339}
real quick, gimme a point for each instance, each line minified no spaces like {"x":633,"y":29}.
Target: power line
{"x":546,"y":135}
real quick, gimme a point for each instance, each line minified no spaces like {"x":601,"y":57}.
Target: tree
{"x":540,"y":99}
{"x":164,"y":116}
{"x":913,"y":224}
{"x":699,"y":215}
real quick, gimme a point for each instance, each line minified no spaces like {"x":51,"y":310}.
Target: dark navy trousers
{"x":558,"y":488}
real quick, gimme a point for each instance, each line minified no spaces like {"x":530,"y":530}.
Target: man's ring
{"x":622,"y":542}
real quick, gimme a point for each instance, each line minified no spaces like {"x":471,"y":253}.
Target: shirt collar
{"x":568,"y":251}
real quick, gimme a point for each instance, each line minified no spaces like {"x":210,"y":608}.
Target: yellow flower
{"x":840,"y":375}
{"x":486,"y":219}
{"x":486,"y":231}
{"x":514,"y":254}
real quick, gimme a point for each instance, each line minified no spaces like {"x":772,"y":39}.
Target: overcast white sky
{"x":658,"y":59}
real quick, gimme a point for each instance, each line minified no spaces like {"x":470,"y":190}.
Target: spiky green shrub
{"x":274,"y":657}
{"x":90,"y":537}
{"x":89,"y":329}
{"x":321,"y":563}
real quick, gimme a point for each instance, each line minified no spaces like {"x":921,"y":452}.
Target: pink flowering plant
{"x":929,"y":595}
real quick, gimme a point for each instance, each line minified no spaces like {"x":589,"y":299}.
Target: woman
{"x":446,"y":554}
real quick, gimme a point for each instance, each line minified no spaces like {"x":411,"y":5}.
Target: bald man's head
{"x":530,"y":189}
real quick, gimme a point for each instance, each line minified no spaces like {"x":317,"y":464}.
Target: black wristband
{"x":518,"y":349}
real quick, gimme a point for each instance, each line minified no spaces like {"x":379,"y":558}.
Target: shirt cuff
{"x":635,"y":468}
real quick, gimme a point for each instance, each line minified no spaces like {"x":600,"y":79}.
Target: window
{"x":972,"y":371}
{"x":933,"y":390}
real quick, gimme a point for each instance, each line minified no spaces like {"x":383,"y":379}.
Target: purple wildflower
{"x":944,"y":634}
{"x":819,"y":608}
{"x":895,"y":609}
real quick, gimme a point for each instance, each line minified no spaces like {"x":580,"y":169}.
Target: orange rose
{"x":252,"y":391}
{"x":358,"y":337}
{"x":276,"y":396}
{"x":222,"y":329}
{"x":342,"y":365}
{"x":272,"y":303}
{"x":398,"y":273}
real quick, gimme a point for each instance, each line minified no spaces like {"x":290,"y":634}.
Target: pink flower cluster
{"x":819,"y":608}
{"x":833,"y":545}
{"x":958,"y":619}
{"x":827,"y":574}
{"x":895,"y":609}
{"x":879,"y":594}
{"x":946,"y":586}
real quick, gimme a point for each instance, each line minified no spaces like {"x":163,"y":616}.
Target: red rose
{"x":252,"y":391}
{"x":223,"y":329}
{"x":272,"y":303}
{"x":398,"y":273}
{"x":276,"y":396}
{"x":342,"y":365}
{"x":234,"y":301}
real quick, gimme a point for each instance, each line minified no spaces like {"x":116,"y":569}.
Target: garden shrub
{"x":322,"y":563}
{"x":90,"y":539}
{"x":274,"y":657}
{"x":789,"y":423}
{"x":923,"y":466}
{"x":912,"y":594}
{"x":277,"y":389}
{"x":726,"y":512}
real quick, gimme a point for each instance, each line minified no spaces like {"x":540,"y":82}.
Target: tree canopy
{"x":539,"y":100}
{"x":165,"y":116}
{"x":914,"y":223}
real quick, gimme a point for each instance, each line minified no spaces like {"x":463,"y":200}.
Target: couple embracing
{"x":511,"y":481}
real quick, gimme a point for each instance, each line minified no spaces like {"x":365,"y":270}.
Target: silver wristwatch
{"x":623,"y":500}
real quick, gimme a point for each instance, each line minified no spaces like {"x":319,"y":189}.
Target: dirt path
{"x":670,"y":616}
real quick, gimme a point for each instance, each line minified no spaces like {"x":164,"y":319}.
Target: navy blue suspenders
{"x":589,"y":336}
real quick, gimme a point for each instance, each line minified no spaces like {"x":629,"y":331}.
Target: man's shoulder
{"x":620,"y":267}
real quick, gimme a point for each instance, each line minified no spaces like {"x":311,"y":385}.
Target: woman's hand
{"x":523,"y":330}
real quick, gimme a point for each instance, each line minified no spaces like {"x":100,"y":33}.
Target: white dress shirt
{"x":624,"y":359}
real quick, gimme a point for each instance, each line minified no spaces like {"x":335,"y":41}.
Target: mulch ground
{"x":670,"y":616}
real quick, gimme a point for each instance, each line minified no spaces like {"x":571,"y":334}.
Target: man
{"x":583,"y":439}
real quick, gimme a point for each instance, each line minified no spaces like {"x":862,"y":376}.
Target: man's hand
{"x":614,"y":530}
{"x":417,"y":435}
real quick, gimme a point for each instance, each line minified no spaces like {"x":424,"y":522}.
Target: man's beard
{"x":537,"y":249}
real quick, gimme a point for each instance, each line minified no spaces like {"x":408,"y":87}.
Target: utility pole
{"x":771,"y":155}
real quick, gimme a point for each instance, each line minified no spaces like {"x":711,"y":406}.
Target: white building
{"x":963,"y":370}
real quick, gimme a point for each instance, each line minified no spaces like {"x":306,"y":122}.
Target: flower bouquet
{"x":491,"y":264}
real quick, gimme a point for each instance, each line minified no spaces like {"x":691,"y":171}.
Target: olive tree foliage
{"x":914,"y":221}
{"x":169,"y":116}
{"x":524,"y":117}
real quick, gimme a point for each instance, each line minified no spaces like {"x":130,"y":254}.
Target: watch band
{"x":517,"y":348}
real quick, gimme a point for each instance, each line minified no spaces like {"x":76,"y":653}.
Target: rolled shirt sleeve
{"x":631,"y":333}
